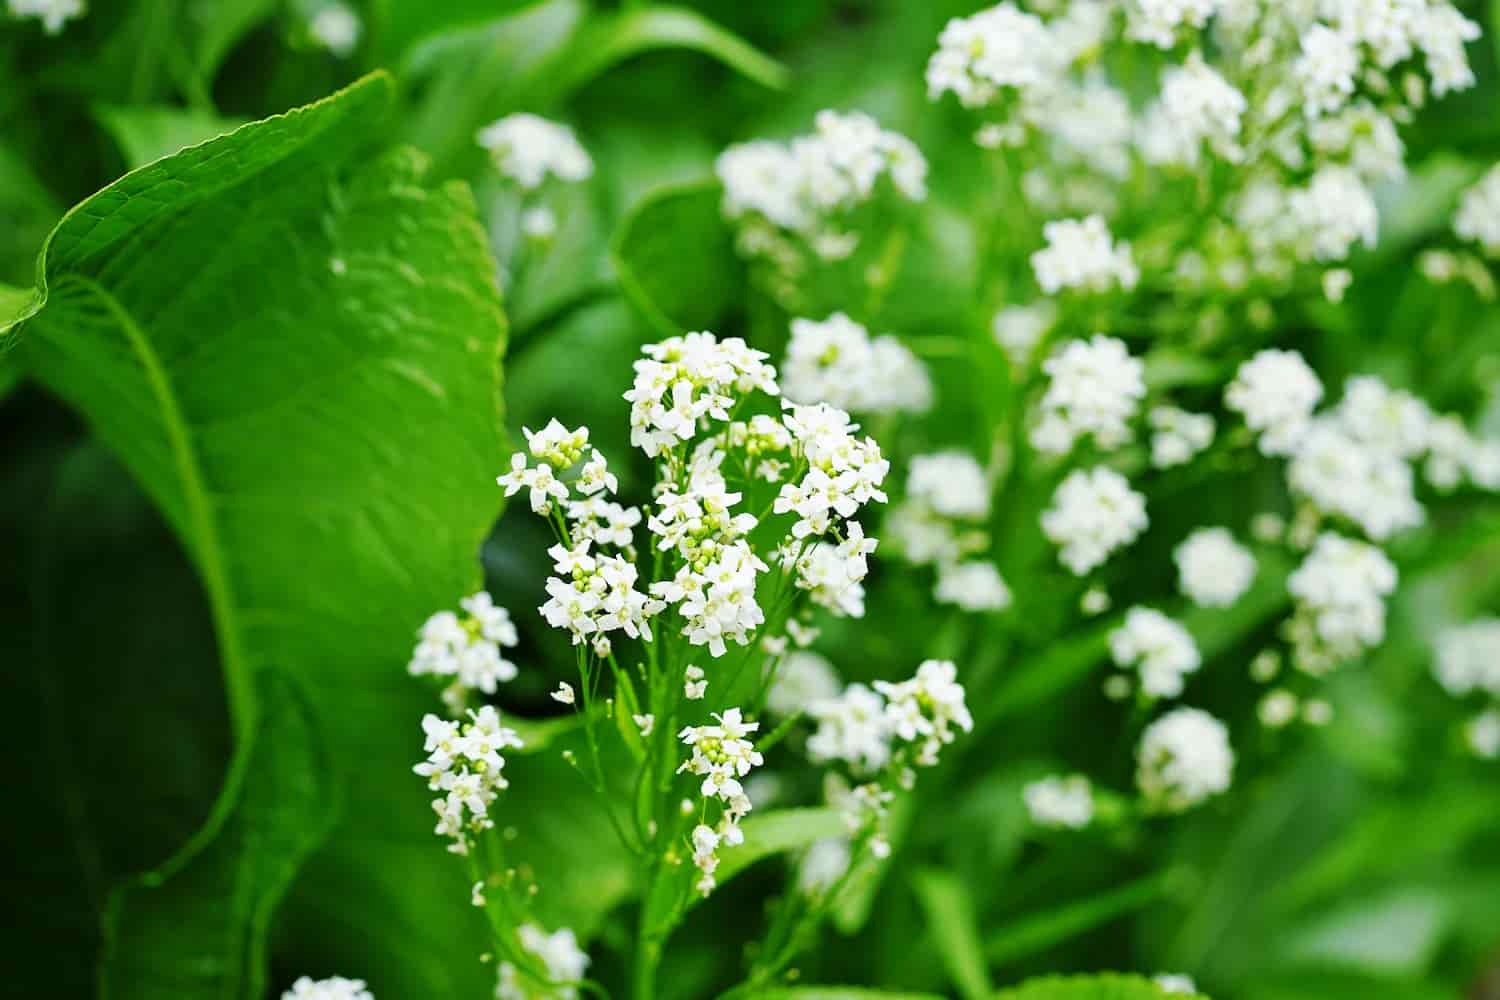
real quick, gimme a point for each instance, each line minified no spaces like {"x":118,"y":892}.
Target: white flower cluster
{"x":947,"y":497}
{"x":950,"y":483}
{"x":802,"y":678}
{"x":528,"y":148}
{"x":844,"y":472}
{"x":53,"y":14}
{"x":973,"y":586}
{"x":1081,"y":253}
{"x":721,"y":755}
{"x":466,"y":647}
{"x":1019,"y":329}
{"x":332,"y":988}
{"x":1184,"y":757}
{"x":684,"y":381}
{"x":1057,"y":802}
{"x":1213,"y":570}
{"x":1177,"y":435}
{"x":563,"y":961}
{"x":1093,"y":513}
{"x":464,"y":763}
{"x":593,"y":594}
{"x":1468,"y":658}
{"x":1158,"y":22}
{"x":1340,"y":590}
{"x":832,"y":572}
{"x":798,"y":186}
{"x":1364,"y":36}
{"x":1095,"y":388}
{"x":1198,"y":108}
{"x":863,"y":727}
{"x":1482,"y":733}
{"x":998,"y":51}
{"x":1276,"y":392}
{"x":838,"y":363}
{"x":1478,"y":218}
{"x":1158,"y":647}
{"x":337,"y":28}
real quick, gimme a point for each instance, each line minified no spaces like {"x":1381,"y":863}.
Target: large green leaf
{"x":675,"y":258}
{"x":777,"y":831}
{"x":200,"y":929}
{"x":294,"y":348}
{"x":1106,"y":986}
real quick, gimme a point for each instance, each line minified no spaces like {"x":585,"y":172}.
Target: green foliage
{"x":675,"y":259}
{"x":1101,"y":987}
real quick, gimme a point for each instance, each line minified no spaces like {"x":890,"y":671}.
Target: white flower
{"x":467,"y":647}
{"x":852,"y":727}
{"x":1368,"y":484}
{"x":564,"y":693}
{"x":694,"y":686}
{"x":951,"y":483}
{"x":1161,"y":649}
{"x":53,"y":14}
{"x":691,"y":379}
{"x":1184,"y":758}
{"x":543,"y":485}
{"x":1335,"y":211}
{"x":1198,"y":107}
{"x":802,"y":679}
{"x":1340,"y":589}
{"x":1468,"y":658}
{"x":1365,"y":137}
{"x":592,"y":595}
{"x":1018,"y":329}
{"x":1276,"y":392}
{"x":1082,"y":254}
{"x":333,"y":988}
{"x":924,"y":710}
{"x":1059,"y":802}
{"x":1159,"y":21}
{"x":1482,"y":733}
{"x":464,"y":763}
{"x":1277,"y":709}
{"x":923,"y":536}
{"x":336,"y":28}
{"x":1326,"y":70}
{"x":1094,"y":390}
{"x":1093,"y":513}
{"x":562,"y":960}
{"x":645,"y":723}
{"x":1441,"y":32}
{"x":973,"y":586}
{"x":1178,"y":435}
{"x":1175,"y":983}
{"x":994,"y":51}
{"x":836,"y":362}
{"x":1478,"y":218}
{"x":765,"y":178}
{"x":527,"y":148}
{"x":1213,"y":570}
{"x":832,"y":573}
{"x":721,"y":755}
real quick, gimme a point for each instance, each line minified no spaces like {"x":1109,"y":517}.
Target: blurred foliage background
{"x":1364,"y":863}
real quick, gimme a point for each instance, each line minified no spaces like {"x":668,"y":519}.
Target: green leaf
{"x":293,"y":345}
{"x":776,"y":831}
{"x":1105,"y":986}
{"x":150,"y":133}
{"x":955,"y":929}
{"x":219,"y":26}
{"x":1037,"y":932}
{"x":197,"y":927}
{"x":675,"y":259}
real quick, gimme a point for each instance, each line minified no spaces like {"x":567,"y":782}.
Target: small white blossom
{"x":1019,"y":329}
{"x":1478,"y":218}
{"x":1082,"y":254}
{"x":1441,"y":32}
{"x":1093,"y":513}
{"x":1177,"y":435}
{"x":1468,"y":658}
{"x":464,"y":764}
{"x":1334,"y":212}
{"x":1159,"y":21}
{"x":837,"y":362}
{"x":564,"y":694}
{"x":1340,"y":590}
{"x":1094,"y":389}
{"x":562,"y":960}
{"x":1184,"y":758}
{"x":1198,"y":108}
{"x":53,"y":14}
{"x":1482,"y":733}
{"x":1175,"y":983}
{"x":1161,"y":649}
{"x":973,"y":586}
{"x":1276,"y":393}
{"x":336,"y":28}
{"x":1060,"y":802}
{"x":332,"y":988}
{"x":1362,"y":481}
{"x":925,"y":709}
{"x":694,"y":685}
{"x":527,"y":148}
{"x":996,"y":51}
{"x":544,"y":488}
{"x":951,"y":483}
{"x":852,"y":727}
{"x":1213,"y":570}
{"x":1326,"y":69}
{"x":722,"y":754}
{"x":1277,"y":709}
{"x":691,"y":379}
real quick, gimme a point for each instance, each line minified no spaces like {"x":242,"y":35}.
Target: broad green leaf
{"x":955,"y":930}
{"x":149,"y":133}
{"x":1104,"y":986}
{"x":777,"y":831}
{"x":1038,"y":932}
{"x":294,"y":348}
{"x":675,"y":259}
{"x":197,"y":927}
